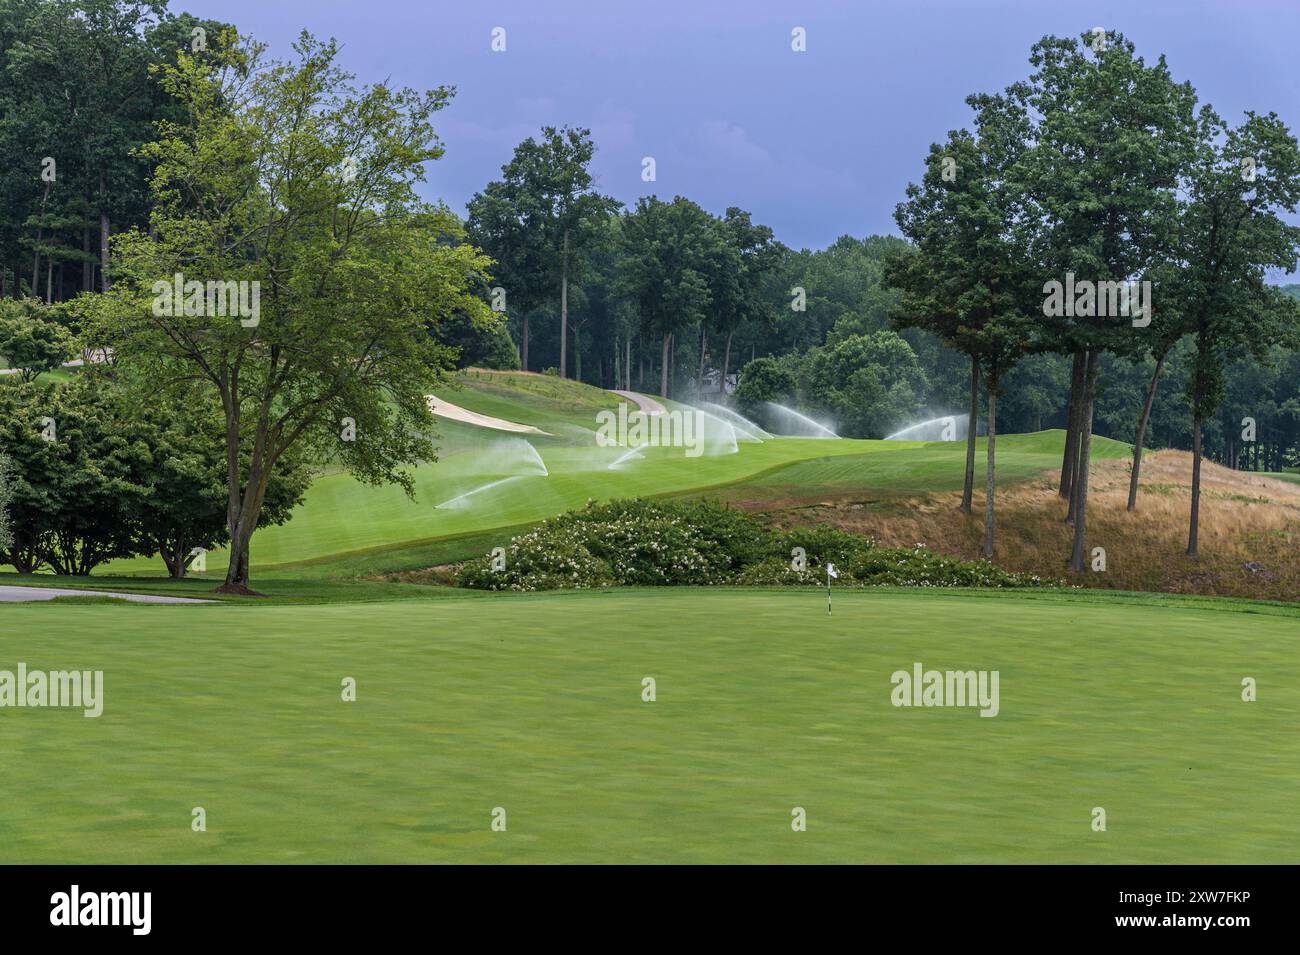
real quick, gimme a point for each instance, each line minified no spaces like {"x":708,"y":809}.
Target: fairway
{"x":764,"y":703}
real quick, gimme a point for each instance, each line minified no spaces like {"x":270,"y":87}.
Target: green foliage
{"x":538,"y":219}
{"x":286,"y":175}
{"x":871,"y":384}
{"x":76,"y":87}
{"x":6,"y":495}
{"x":120,"y":477}
{"x":676,"y":259}
{"x":650,"y":543}
{"x":762,"y":380}
{"x":75,"y":497}
{"x":480,"y":341}
{"x":30,"y":339}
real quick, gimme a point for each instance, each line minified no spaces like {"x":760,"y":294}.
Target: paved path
{"x":18,"y":594}
{"x":644,"y":402}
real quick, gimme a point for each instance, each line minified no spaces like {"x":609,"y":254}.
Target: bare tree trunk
{"x":40,"y":231}
{"x":564,"y":307}
{"x":663,"y":369}
{"x":1140,"y":437}
{"x":968,"y":489}
{"x":991,"y":439}
{"x":627,"y":363}
{"x":103,"y":234}
{"x":1077,"y":555}
{"x":523,"y":358}
{"x":1070,"y":460}
{"x":49,"y":279}
{"x":699,"y":378}
{"x":87,"y":267}
{"x":577,"y":354}
{"x":726,"y":365}
{"x":1196,"y":482}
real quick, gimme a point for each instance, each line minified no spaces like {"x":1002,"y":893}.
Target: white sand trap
{"x":645,"y":403}
{"x":445,"y":409}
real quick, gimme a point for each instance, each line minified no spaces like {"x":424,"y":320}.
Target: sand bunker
{"x":445,"y":409}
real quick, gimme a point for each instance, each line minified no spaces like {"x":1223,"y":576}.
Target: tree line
{"x":200,"y":157}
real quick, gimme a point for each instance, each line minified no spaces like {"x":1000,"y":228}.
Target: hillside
{"x":1249,"y":530}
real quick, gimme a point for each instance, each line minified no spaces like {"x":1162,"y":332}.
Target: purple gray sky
{"x":815,"y":144}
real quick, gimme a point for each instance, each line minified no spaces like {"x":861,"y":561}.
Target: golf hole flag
{"x":830,"y":572}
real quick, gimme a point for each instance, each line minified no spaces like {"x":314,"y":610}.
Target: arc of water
{"x":825,"y":432}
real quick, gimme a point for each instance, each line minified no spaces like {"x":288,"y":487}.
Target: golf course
{"x":628,"y":435}
{"x":469,"y":702}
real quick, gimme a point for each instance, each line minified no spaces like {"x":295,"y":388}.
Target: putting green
{"x":764,"y":703}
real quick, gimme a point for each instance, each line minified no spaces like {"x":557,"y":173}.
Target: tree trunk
{"x":968,"y":489}
{"x":87,"y":268}
{"x":699,"y":378}
{"x":991,"y":439}
{"x":1078,"y":555}
{"x":577,"y":354}
{"x":1142,"y":432}
{"x":1070,"y":460}
{"x":1196,"y":482}
{"x":237,"y":572}
{"x":103,"y":234}
{"x":726,"y":365}
{"x":49,"y":279}
{"x":170,"y":552}
{"x":40,"y":231}
{"x":627,"y":363}
{"x":663,"y":369}
{"x":523,"y":358}
{"x":564,"y":307}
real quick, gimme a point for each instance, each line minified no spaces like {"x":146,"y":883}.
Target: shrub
{"x":658,"y":543}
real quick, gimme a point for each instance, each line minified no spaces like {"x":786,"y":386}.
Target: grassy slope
{"x":341,"y":519}
{"x":919,"y":469}
{"x":467,"y":704}
{"x":347,"y":529}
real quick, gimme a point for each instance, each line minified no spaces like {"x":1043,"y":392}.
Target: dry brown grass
{"x":1245,"y":519}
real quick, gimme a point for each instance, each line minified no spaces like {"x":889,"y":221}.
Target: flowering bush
{"x":653,"y":543}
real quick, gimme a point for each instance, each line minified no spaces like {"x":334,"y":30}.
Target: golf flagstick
{"x":830,"y":572}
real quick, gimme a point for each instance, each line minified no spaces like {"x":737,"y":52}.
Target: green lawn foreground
{"x":764,"y":703}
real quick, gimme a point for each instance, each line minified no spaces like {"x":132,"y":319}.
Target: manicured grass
{"x":341,"y":516}
{"x":918,"y":469}
{"x":348,"y":528}
{"x":1291,"y":476}
{"x":533,"y":703}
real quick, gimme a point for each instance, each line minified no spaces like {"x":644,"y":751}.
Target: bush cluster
{"x":661,"y":543}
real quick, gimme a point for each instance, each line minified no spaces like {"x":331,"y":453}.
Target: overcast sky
{"x":815,"y":144}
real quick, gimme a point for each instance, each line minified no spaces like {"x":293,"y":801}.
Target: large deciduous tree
{"x":286,"y":175}
{"x":1242,"y":180}
{"x":1109,"y":139}
{"x":671,"y":250}
{"x":537,"y":220}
